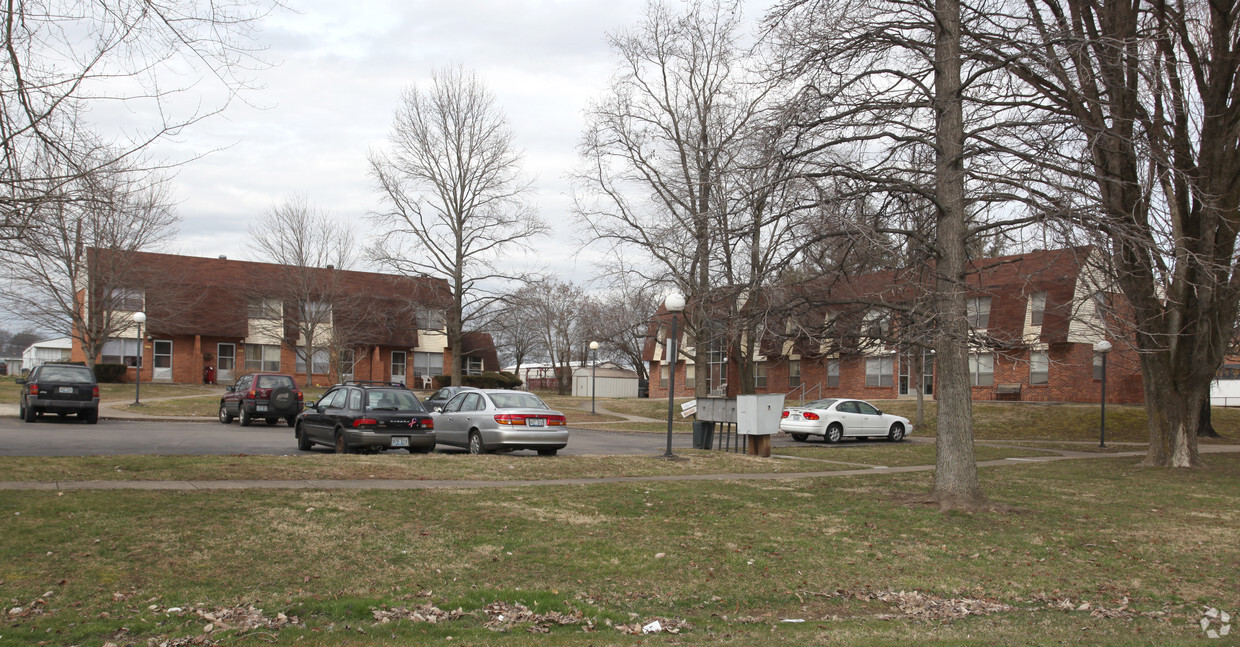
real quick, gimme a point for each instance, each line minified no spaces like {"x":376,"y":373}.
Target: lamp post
{"x":1102,"y":348}
{"x":674,"y":303}
{"x":594,"y":374}
{"x":138,"y":318}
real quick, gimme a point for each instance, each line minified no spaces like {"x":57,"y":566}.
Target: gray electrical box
{"x":759,"y":415}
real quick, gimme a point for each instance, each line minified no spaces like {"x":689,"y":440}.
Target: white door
{"x":225,"y":363}
{"x":162,"y":370}
{"x":399,"y":358}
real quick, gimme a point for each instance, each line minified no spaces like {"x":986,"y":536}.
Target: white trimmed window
{"x":794,"y":373}
{"x":878,"y":371}
{"x":262,"y":358}
{"x":759,"y":375}
{"x":833,"y":372}
{"x":981,"y":369}
{"x":120,"y":351}
{"x":319,"y":363}
{"x":978,"y":309}
{"x":1039,"y":367}
{"x":1037,"y":308}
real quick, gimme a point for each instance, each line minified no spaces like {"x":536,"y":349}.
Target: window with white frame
{"x":833,"y":372}
{"x":878,"y":371}
{"x":1039,"y":367}
{"x":430,"y":319}
{"x":663,"y":376}
{"x":978,"y":309}
{"x":316,"y":312}
{"x":266,"y":309}
{"x":794,"y":373}
{"x":981,"y":369}
{"x":690,"y":376}
{"x":126,"y":299}
{"x":1100,"y":305}
{"x":759,"y":375}
{"x":319,"y":363}
{"x":1097,"y":366}
{"x":425,"y":367}
{"x":1037,"y":308}
{"x":262,"y":357}
{"x":473,"y":366}
{"x":876,"y":324}
{"x":344,"y":363}
{"x":121,"y":351}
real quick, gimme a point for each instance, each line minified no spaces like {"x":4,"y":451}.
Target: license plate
{"x":66,"y":389}
{"x":400,"y":441}
{"x":795,"y":416}
{"x":536,"y":422}
{"x":260,"y":407}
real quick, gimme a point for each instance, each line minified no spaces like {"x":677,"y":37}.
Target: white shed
{"x":50,"y":350}
{"x":611,"y":382}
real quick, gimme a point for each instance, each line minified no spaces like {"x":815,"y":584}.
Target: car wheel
{"x":271,"y":421}
{"x":896,"y":434}
{"x":303,"y":442}
{"x":91,"y":416}
{"x":225,"y":417}
{"x":800,"y":438}
{"x":245,"y":417}
{"x":834,"y":433}
{"x":341,"y":446}
{"x":21,"y":410}
{"x":547,"y":452}
{"x":30,"y":414}
{"x":475,"y":443}
{"x":291,"y":420}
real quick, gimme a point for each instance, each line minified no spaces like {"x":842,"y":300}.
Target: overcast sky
{"x":339,"y":70}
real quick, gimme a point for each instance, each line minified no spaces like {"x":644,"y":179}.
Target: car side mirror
{"x":229,"y":389}
{"x":312,"y":404}
{"x":880,"y":411}
{"x":438,"y":409}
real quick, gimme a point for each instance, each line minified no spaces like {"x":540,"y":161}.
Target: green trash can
{"x":703,"y":434}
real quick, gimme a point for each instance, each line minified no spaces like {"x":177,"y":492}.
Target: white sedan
{"x":835,"y":418}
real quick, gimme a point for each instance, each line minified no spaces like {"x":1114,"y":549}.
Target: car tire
{"x":282,"y":401}
{"x":896,"y":434}
{"x":303,"y":442}
{"x":91,"y":416}
{"x":30,"y":414}
{"x":548,"y":452}
{"x":800,"y":438}
{"x":341,"y":446}
{"x":245,"y":417}
{"x":475,"y":443}
{"x":835,"y":433}
{"x":225,"y":417}
{"x":291,"y":420}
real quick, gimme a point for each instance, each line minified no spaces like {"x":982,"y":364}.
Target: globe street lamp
{"x":674,"y":303}
{"x":594,"y":374}
{"x":1102,"y":348}
{"x":138,"y":318}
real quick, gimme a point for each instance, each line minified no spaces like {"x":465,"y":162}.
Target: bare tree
{"x":557,"y":313}
{"x":660,"y":143}
{"x":296,"y":303}
{"x":1147,"y":160}
{"x":62,"y":59}
{"x":69,"y":272}
{"x":621,"y":320}
{"x":455,"y":194}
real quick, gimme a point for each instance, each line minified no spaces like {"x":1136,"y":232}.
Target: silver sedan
{"x":835,"y":418}
{"x":483,"y":421}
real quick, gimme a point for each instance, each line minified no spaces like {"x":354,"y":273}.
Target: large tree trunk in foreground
{"x":955,"y":476}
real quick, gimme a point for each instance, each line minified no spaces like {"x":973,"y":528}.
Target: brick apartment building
{"x":1034,"y":320}
{"x":236,"y":317}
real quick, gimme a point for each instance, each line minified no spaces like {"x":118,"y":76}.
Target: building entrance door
{"x":225,"y":363}
{"x":162,"y":366}
{"x":399,"y":358}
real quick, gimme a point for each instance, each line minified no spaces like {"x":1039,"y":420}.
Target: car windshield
{"x":66,"y":374}
{"x":517,"y":400}
{"x":820,"y":404}
{"x":392,"y":400}
{"x":274,"y":382}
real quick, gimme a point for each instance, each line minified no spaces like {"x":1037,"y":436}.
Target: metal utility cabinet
{"x":757,"y":418}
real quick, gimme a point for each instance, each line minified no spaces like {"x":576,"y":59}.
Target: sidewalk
{"x":407,"y":484}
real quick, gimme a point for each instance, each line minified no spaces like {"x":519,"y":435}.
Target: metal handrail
{"x":804,"y":391}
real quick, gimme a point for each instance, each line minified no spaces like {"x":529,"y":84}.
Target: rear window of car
{"x":66,"y":374}
{"x":274,"y":382}
{"x":392,"y":399}
{"x":820,"y":404}
{"x":517,"y":400}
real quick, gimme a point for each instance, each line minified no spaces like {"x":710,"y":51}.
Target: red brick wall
{"x":1070,"y":378}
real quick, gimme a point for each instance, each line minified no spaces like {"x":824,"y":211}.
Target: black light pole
{"x":139,"y":318}
{"x":1102,"y":348}
{"x":594,"y":374}
{"x":675,"y":303}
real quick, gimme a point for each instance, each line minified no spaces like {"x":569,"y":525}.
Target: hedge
{"x":488,"y":380}
{"x":112,"y":373}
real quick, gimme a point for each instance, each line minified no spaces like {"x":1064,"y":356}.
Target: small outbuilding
{"x":611,"y":381}
{"x":48,"y":350}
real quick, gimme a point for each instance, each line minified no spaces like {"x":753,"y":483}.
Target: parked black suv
{"x":61,"y":389}
{"x":368,"y":416}
{"x":270,"y":396}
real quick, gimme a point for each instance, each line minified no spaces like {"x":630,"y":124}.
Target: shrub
{"x":112,"y":373}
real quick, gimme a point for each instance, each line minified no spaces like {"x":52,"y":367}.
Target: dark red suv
{"x":270,"y":396}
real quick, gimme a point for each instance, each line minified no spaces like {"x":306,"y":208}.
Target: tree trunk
{"x":1205,"y":426}
{"x":955,"y":477}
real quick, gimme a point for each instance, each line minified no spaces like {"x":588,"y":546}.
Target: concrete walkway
{"x":409,"y":484}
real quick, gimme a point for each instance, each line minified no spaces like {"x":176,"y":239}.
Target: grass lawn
{"x":1100,"y":552}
